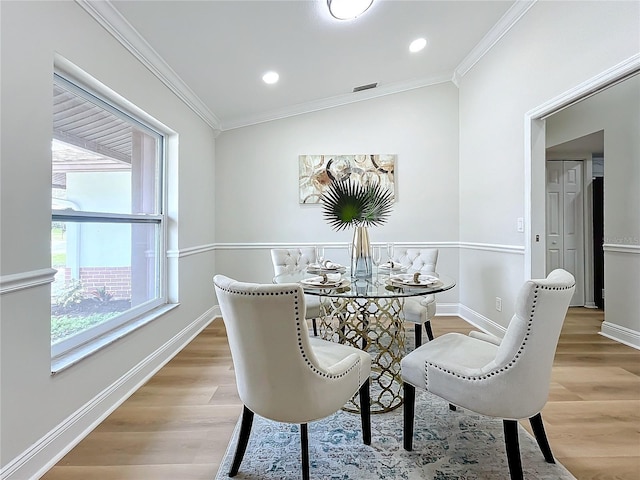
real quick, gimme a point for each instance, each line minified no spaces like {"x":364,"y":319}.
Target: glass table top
{"x":380,"y":284}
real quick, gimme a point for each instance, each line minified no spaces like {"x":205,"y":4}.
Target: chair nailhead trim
{"x":516,"y":356}
{"x":296,"y":302}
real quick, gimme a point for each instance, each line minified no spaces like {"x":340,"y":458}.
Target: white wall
{"x":617,"y":112}
{"x":41,"y":414}
{"x":553,"y":48}
{"x":257,"y":179}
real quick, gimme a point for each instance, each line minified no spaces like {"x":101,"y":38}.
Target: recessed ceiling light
{"x":270,"y":77}
{"x":348,"y":9}
{"x":417,"y":45}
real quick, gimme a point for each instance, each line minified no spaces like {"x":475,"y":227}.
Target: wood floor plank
{"x":140,"y":448}
{"x":175,"y":418}
{"x":603,"y":468}
{"x":189,"y":471}
{"x":614,"y":383}
{"x":178,"y":425}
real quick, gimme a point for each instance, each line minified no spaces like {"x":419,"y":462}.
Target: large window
{"x":107,"y":228}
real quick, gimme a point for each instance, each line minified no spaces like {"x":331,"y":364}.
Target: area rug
{"x":448,"y":445}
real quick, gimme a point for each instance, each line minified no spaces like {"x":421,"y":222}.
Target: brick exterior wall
{"x":116,"y":280}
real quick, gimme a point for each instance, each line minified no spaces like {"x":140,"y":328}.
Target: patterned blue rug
{"x":448,"y":445}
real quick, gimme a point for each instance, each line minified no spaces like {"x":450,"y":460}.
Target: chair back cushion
{"x":277,"y":372}
{"x":418,"y":259}
{"x":509,"y":380}
{"x":528,"y":347}
{"x":287,"y":260}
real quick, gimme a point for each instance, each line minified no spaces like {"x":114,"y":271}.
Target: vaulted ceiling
{"x":213,"y":53}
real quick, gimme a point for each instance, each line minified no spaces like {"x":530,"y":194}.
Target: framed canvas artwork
{"x":316,"y":172}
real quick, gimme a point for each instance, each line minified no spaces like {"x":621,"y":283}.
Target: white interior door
{"x":564,"y":222}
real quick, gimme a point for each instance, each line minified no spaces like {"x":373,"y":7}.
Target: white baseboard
{"x":480,"y":321}
{"x":447,"y":309}
{"x":35,"y":461}
{"x":620,"y":334}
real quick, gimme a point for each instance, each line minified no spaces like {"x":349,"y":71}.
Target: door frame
{"x":535,"y":159}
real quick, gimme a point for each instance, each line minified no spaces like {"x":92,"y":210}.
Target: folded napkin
{"x":326,"y":265}
{"x":392,"y":266}
{"x":414,"y":279}
{"x":327,"y":278}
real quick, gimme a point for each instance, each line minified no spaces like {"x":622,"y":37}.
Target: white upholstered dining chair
{"x":282,"y":373}
{"x":287,"y":260}
{"x":418,"y":310}
{"x":506,"y":378}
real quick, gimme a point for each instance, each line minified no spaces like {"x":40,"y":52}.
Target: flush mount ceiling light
{"x":417,"y":45}
{"x":270,"y":77}
{"x":348,"y":9}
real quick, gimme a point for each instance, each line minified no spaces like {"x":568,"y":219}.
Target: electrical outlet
{"x":498,"y":304}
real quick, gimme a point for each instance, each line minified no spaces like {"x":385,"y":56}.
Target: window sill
{"x":70,"y":358}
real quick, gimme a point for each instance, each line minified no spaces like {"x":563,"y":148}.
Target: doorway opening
{"x":574,"y":210}
{"x":535,"y":159}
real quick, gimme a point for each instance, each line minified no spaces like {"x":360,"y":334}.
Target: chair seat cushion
{"x":329,"y":354}
{"x":419,"y":309}
{"x":453,"y":351}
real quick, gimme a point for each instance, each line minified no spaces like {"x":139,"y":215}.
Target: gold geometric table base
{"x":375,"y":326}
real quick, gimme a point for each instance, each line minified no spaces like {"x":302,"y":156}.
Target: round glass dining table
{"x":367,"y":313}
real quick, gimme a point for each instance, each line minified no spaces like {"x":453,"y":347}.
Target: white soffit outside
{"x":108,"y":15}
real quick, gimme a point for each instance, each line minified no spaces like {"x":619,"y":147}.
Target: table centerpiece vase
{"x":361,"y":265}
{"x":350,"y":204}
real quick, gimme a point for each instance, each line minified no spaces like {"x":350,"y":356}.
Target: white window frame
{"x":68,"y":351}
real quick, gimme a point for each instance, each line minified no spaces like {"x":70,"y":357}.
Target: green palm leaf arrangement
{"x":348,"y":204}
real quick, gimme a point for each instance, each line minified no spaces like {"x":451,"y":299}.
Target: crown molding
{"x":617,"y":73}
{"x":508,"y":20}
{"x":336,"y":101}
{"x":112,"y":20}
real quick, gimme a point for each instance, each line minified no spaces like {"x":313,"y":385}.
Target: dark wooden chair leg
{"x":365,"y":412}
{"x":541,"y":437}
{"x":427,"y":327}
{"x":365,"y":329}
{"x":243,"y":440}
{"x":315,"y":327}
{"x":513,"y":449}
{"x":418,"y":334}
{"x":304,"y":448}
{"x":409,"y":411}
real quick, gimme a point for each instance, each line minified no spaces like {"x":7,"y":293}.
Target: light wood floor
{"x":177,"y":426}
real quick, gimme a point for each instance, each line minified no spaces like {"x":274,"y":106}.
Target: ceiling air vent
{"x":365,"y":87}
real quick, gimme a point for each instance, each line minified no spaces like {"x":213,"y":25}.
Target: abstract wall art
{"x":316,"y":172}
